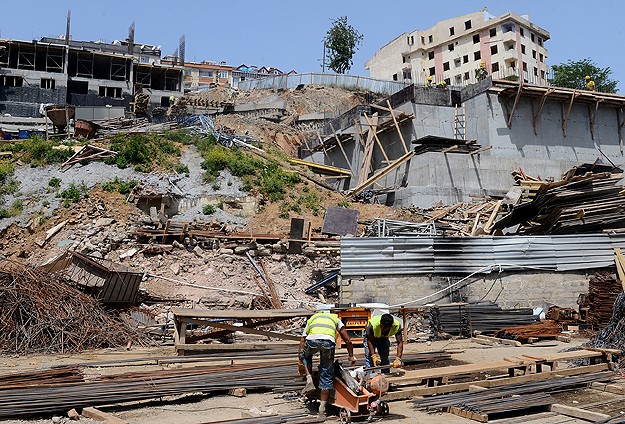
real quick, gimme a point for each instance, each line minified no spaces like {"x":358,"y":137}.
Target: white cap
{"x":323,"y":307}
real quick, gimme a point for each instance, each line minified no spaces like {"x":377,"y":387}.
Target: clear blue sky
{"x":288,"y":34}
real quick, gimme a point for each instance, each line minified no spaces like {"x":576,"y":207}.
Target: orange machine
{"x":355,"y":320}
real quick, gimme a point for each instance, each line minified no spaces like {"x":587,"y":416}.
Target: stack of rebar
{"x":41,"y":313}
{"x":613,"y":335}
{"x":553,"y":385}
{"x":546,"y":329}
{"x":25,"y":401}
{"x":275,"y":419}
{"x":508,"y":405}
{"x":603,"y":290}
{"x":465,"y":319}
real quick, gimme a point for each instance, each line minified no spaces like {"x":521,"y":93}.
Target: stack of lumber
{"x":582,"y":204}
{"x":547,"y":329}
{"x":603,"y":289}
{"x":465,"y":319}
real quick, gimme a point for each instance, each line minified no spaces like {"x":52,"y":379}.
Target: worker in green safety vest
{"x":376,"y":339}
{"x":320,"y":336}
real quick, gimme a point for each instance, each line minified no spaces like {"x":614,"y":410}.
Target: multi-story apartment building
{"x":204,"y":73}
{"x":82,"y":73}
{"x":451,"y":51}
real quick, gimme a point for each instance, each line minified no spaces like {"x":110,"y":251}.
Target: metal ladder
{"x":460,"y":128}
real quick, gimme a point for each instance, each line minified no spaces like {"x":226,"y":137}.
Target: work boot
{"x":322,"y":411}
{"x":309,"y":388}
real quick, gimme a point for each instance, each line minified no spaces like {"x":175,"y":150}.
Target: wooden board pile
{"x":603,"y":289}
{"x":580,"y":204}
{"x":41,"y":313}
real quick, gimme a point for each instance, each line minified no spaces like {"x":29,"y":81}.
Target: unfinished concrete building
{"x":422,"y":147}
{"x":451,"y":51}
{"x":82,"y":73}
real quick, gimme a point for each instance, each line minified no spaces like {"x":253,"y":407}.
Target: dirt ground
{"x":197,"y":409}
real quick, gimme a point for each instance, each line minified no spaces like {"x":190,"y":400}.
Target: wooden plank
{"x":232,"y":347}
{"x":401,"y":136}
{"x":97,"y":415}
{"x":375,"y":135}
{"x":480,"y":150}
{"x":489,"y":223}
{"x":582,"y":414}
{"x":475,"y":223}
{"x":459,"y":387}
{"x":242,"y":313}
{"x":620,"y":265}
{"x":368,"y":151}
{"x":252,"y":331}
{"x":360,"y":188}
{"x":499,"y":340}
{"x":456,"y":370}
{"x":482,"y":418}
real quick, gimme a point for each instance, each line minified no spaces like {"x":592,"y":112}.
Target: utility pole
{"x":323,"y":61}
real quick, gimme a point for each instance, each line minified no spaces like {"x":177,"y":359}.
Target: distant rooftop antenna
{"x":181,"y":47}
{"x":69,"y":16}
{"x":131,"y":38}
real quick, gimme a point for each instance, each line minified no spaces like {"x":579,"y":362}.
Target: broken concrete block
{"x":197,"y":250}
{"x":175,"y":268}
{"x":238,"y":392}
{"x":177,"y":244}
{"x":104,"y":222}
{"x":73,"y":415}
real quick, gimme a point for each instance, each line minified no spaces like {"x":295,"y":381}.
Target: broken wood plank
{"x":50,"y":233}
{"x":97,"y":415}
{"x":489,"y":223}
{"x":582,"y":414}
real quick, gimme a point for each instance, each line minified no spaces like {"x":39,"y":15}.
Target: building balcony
{"x":508,"y":36}
{"x":511,"y":54}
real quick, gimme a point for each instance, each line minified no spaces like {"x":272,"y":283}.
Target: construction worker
{"x":172,"y":100}
{"x":590,"y":84}
{"x":376,"y":339}
{"x":320,"y":336}
{"x":481,"y":73}
{"x":441,"y":84}
{"x":428,"y":82}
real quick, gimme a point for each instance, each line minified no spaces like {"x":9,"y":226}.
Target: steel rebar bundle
{"x":464,"y":319}
{"x":41,"y":313}
{"x":548,"y":386}
{"x":25,"y":401}
{"x":508,"y":404}
{"x":613,"y":335}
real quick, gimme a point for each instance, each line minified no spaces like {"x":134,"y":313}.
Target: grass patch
{"x":120,"y":186}
{"x":38,"y":152}
{"x":8,"y":184}
{"x":145,"y":152}
{"x":209,"y":209}
{"x":73,"y":194}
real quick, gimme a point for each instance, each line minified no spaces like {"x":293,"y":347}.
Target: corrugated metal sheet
{"x":464,"y":255}
{"x":346,"y":81}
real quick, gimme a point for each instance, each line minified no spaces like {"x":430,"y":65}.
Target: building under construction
{"x":82,"y":73}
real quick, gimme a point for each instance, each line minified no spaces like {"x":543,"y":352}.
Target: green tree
{"x":572,"y":75}
{"x":341,"y":43}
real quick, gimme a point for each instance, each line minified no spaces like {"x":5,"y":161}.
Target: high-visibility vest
{"x":323,"y":323}
{"x":377,"y":329}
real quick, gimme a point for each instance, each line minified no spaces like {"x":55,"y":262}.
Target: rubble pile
{"x":41,"y":313}
{"x":613,"y":335}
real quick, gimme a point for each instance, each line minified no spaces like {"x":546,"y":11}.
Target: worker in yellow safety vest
{"x":320,"y":336}
{"x":376,"y":339}
{"x":428,"y":82}
{"x":590,"y":84}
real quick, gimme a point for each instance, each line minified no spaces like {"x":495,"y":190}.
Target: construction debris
{"x":581,"y":204}
{"x":41,"y":313}
{"x":603,"y":289}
